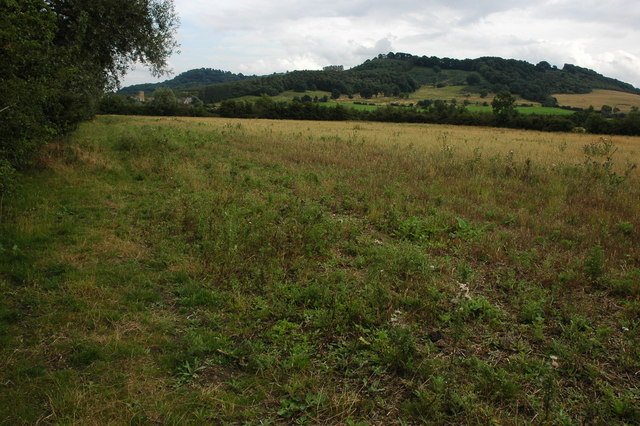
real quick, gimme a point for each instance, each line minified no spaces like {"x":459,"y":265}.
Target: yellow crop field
{"x":621,"y":100}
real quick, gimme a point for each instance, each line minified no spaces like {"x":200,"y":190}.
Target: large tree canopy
{"x":110,"y":35}
{"x":58,"y":56}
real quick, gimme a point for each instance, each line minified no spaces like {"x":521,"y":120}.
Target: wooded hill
{"x":195,"y":78}
{"x":394,"y":74}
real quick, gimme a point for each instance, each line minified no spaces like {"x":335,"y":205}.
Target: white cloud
{"x":265,"y":36}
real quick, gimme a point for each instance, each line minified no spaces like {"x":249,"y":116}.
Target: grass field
{"x":177,"y":271}
{"x":447,"y":93}
{"x":620,"y":100}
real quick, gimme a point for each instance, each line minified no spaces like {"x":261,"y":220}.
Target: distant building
{"x":333,"y":68}
{"x":140,"y":97}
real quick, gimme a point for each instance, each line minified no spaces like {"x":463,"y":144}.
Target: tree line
{"x":503,"y":113}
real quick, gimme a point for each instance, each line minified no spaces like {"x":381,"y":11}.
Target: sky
{"x":266,"y":36}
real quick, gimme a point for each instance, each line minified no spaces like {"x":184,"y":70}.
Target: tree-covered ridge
{"x":532,"y":82}
{"x":396,"y":73}
{"x":367,"y":83}
{"x":187,"y":80}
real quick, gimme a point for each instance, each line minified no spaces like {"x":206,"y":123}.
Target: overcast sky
{"x":267,"y":36}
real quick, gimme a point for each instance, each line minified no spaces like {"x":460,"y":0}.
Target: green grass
{"x":183,"y":271}
{"x":437,"y":93}
{"x":287,"y":96}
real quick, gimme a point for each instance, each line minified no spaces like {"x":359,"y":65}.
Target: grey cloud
{"x":257,"y":14}
{"x":382,"y":46}
{"x":613,"y":12}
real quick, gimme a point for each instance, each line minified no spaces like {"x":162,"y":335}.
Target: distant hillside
{"x":187,"y":80}
{"x":396,"y":73}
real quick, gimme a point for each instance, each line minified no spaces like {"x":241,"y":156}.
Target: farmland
{"x":457,"y":93}
{"x":446,"y":94}
{"x":165,"y":270}
{"x":623,"y":101}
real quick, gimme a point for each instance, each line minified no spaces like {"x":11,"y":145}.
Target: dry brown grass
{"x":312,"y":139}
{"x":597,"y":98}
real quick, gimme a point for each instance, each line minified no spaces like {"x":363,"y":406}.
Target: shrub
{"x":7,"y":178}
{"x":594,"y":265}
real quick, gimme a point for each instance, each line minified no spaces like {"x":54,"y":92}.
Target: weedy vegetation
{"x":179,"y":271}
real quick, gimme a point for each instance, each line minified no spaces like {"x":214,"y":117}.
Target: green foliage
{"x":627,"y":285}
{"x":474,"y":79}
{"x":29,"y":88}
{"x":57,"y":57}
{"x":396,"y":348}
{"x":494,"y":382}
{"x":108,"y":36}
{"x":594,"y":265}
{"x":504,"y":106}
{"x":626,"y":228}
{"x":7,"y":179}
{"x":187,"y":80}
{"x":296,"y":406}
{"x":164,"y":101}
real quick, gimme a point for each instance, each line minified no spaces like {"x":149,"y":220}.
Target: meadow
{"x":207,"y":270}
{"x":623,"y":101}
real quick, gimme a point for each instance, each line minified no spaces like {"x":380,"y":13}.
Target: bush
{"x":7,"y":178}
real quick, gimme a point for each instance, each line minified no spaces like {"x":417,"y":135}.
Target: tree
{"x":543,"y":66}
{"x":550,"y":101}
{"x":366,"y":92}
{"x":58,"y":56}
{"x":27,"y":32}
{"x":108,"y":36}
{"x":473,"y":79}
{"x":504,"y":106}
{"x":164,"y":101}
